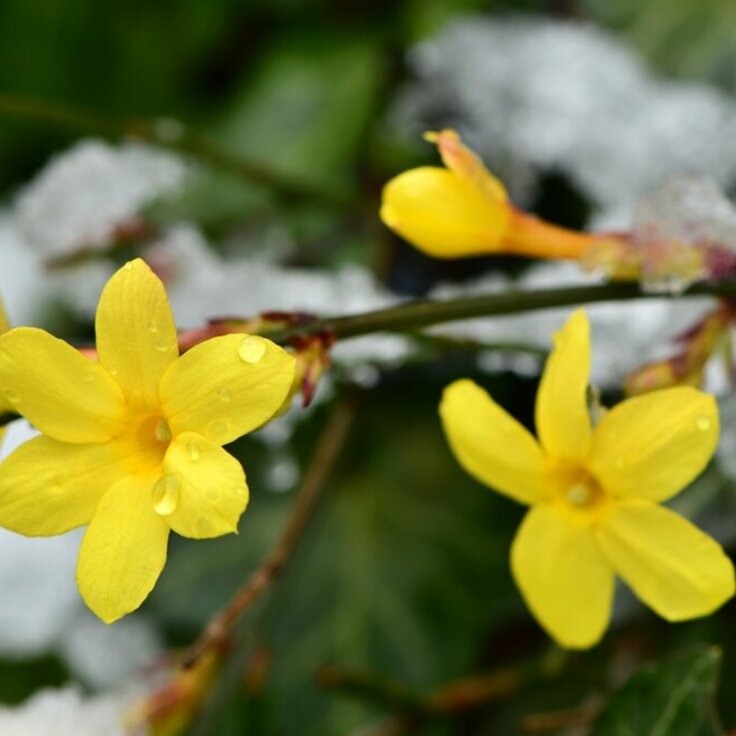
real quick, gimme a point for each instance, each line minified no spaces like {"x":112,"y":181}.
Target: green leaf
{"x":402,"y":573}
{"x":305,"y":109}
{"x":672,"y":697}
{"x":680,"y":37}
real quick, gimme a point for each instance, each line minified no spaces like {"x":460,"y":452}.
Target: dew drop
{"x":703,"y":423}
{"x":162,"y":345}
{"x":11,"y":395}
{"x":112,"y":371}
{"x":212,"y":494}
{"x":162,"y":431}
{"x":165,"y":494}
{"x":252,"y":349}
{"x":128,"y":266}
{"x":224,"y":394}
{"x":240,"y":491}
{"x":193,"y":450}
{"x":152,"y":327}
{"x":204,"y":526}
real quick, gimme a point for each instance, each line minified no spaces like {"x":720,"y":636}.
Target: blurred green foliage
{"x":673,"y":696}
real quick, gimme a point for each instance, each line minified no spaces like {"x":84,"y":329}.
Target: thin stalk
{"x":425,"y":313}
{"x":325,"y":456}
{"x":168,"y":134}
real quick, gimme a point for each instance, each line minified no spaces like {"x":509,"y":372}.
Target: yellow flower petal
{"x":466,"y":163}
{"x":676,"y":569}
{"x":136,"y":335}
{"x":123,"y":550}
{"x":563,"y":422}
{"x":653,"y":445}
{"x":49,"y":487}
{"x":490,"y":444}
{"x":564,"y":578}
{"x":210,"y":486}
{"x":62,"y":393}
{"x":443,"y":214}
{"x":4,"y":321}
{"x":226,"y":387}
{"x":5,"y":405}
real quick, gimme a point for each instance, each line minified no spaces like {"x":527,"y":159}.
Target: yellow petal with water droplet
{"x":44,"y":380}
{"x":136,"y":335}
{"x":562,"y":418}
{"x":123,"y":550}
{"x":212,"y":494}
{"x":166,"y":493}
{"x":191,"y":390}
{"x":652,"y":446}
{"x":252,"y":348}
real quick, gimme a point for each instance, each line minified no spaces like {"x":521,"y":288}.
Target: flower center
{"x":580,"y":494}
{"x":162,"y":432}
{"x":582,"y":491}
{"x":577,"y":489}
{"x":148,"y":440}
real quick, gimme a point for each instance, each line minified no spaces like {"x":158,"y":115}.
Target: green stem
{"x":366,"y":686}
{"x":425,"y":313}
{"x":461,"y":696}
{"x":169,"y":134}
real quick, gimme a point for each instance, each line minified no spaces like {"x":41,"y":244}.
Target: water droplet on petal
{"x":11,"y":395}
{"x":224,"y":394}
{"x":204,"y":526}
{"x":165,"y":494}
{"x":152,"y":327}
{"x":163,"y":345}
{"x":128,"y":266}
{"x":240,"y":491}
{"x":112,"y":371}
{"x":703,"y":423}
{"x":212,"y":494}
{"x":218,"y":429}
{"x":193,"y":450}
{"x":252,"y":349}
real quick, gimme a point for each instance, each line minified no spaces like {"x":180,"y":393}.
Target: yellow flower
{"x":5,"y":405}
{"x":594,"y":493}
{"x":132,"y":444}
{"x":463,"y":210}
